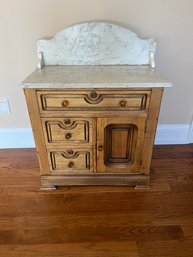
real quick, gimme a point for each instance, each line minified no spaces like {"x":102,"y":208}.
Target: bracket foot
{"x":140,"y":187}
{"x":47,"y":187}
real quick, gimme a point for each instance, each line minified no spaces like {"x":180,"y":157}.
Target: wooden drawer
{"x":63,"y":131}
{"x":70,"y":160}
{"x":102,"y":100}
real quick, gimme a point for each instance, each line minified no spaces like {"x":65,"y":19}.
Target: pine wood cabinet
{"x":100,"y":137}
{"x":94,"y":103}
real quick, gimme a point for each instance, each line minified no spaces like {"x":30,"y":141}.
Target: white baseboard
{"x":166,"y":134}
{"x":16,"y":138}
{"x":190,"y":136}
{"x":172,"y":134}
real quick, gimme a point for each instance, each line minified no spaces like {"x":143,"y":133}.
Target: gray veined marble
{"x":81,"y":76}
{"x":96,"y":43}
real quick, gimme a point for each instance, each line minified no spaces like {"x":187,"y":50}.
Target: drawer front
{"x":65,"y":101}
{"x":67,"y":130}
{"x":69,"y":161}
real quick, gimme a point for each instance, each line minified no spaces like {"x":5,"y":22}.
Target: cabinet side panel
{"x":34,"y":114}
{"x":151,"y":125}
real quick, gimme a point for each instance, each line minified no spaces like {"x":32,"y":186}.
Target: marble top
{"x":96,"y":43}
{"x":81,"y":76}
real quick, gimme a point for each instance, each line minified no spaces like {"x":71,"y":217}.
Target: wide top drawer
{"x":88,"y":100}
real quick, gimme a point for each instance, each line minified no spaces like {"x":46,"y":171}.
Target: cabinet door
{"x":120,"y":144}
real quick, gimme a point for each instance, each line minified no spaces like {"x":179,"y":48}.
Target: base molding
{"x":95,"y":180}
{"x":166,"y":134}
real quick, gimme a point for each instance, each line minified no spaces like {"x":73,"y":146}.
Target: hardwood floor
{"x":97,"y":221}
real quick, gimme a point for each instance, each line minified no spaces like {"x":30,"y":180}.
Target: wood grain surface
{"x":110,"y":221}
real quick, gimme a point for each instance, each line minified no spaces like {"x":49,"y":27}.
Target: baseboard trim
{"x":190,"y":136}
{"x":16,"y":138}
{"x":166,"y":134}
{"x":172,"y":134}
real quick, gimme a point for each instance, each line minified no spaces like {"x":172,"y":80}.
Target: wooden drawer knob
{"x":67,"y":121}
{"x":70,"y":152}
{"x":71,"y":164}
{"x":65,"y":103}
{"x":100,"y":147}
{"x":93,"y":94}
{"x":123,"y":103}
{"x":68,"y":135}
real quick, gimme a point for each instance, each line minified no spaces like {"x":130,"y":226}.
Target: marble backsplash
{"x":96,"y":43}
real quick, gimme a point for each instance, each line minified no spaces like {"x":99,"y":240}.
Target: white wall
{"x":22,"y":22}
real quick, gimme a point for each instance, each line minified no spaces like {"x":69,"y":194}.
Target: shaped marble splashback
{"x":96,"y":43}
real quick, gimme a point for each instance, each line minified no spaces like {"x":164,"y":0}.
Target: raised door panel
{"x":120,"y":144}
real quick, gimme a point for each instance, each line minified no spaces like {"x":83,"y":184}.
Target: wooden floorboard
{"x":90,"y":249}
{"x":97,"y":221}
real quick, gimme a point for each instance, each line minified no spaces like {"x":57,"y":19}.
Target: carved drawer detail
{"x":70,"y":160}
{"x":67,"y":130}
{"x":65,"y":101}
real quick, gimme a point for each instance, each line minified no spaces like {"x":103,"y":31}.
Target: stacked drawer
{"x":69,"y":144}
{"x":69,"y":140}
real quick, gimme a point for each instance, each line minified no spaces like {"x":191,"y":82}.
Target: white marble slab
{"x":96,"y":43}
{"x":115,"y":76}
